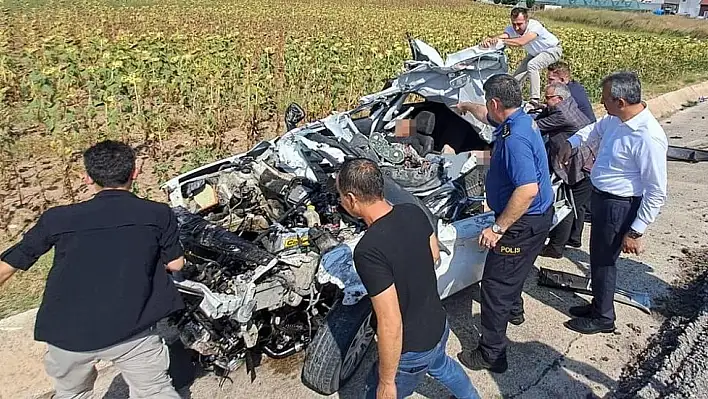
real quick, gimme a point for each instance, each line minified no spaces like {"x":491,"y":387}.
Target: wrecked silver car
{"x":269,"y":249}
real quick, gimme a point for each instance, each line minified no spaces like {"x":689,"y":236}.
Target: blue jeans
{"x":413,"y":366}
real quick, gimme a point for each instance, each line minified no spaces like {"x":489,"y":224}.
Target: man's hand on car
{"x":458,"y":108}
{"x":463,"y":106}
{"x":489,"y":42}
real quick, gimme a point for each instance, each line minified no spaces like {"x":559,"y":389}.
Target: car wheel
{"x":338,"y":347}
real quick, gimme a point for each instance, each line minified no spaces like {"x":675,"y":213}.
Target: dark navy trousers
{"x":505,"y":270}
{"x":612,"y":217}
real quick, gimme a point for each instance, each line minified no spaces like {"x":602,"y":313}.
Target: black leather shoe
{"x":549,"y":252}
{"x":474,"y":360}
{"x":589,"y":326}
{"x":581,"y":311}
{"x":517,"y":319}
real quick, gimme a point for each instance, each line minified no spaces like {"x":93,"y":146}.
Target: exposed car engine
{"x":259,"y":275}
{"x":253,"y":238}
{"x":269,"y":250}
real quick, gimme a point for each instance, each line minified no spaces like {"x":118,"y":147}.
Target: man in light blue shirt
{"x":629,"y":180}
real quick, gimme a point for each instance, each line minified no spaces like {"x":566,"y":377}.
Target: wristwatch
{"x":633,"y":234}
{"x":496,"y":229}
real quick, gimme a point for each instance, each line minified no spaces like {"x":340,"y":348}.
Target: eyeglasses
{"x":549,"y":97}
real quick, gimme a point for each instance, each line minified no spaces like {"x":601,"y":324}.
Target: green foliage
{"x":141,"y":70}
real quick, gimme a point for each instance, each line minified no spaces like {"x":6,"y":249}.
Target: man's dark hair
{"x":626,"y":85}
{"x":110,"y":163}
{"x":561,"y":67}
{"x":504,"y":88}
{"x":516,"y":11}
{"x":361,"y":177}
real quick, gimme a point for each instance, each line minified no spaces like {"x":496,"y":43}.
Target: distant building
{"x":704,"y":8}
{"x":619,"y":5}
{"x":691,"y":8}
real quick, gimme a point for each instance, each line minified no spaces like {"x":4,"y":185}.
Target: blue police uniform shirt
{"x":518,"y":159}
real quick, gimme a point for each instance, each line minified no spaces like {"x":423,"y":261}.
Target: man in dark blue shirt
{"x":108,"y":285}
{"x":519,"y":191}
{"x":559,"y":72}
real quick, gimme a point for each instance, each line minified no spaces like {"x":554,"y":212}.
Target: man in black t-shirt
{"x":395,"y":260}
{"x":108,"y":285}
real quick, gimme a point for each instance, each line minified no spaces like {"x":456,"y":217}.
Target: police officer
{"x":519,"y":192}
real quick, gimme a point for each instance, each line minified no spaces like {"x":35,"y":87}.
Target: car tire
{"x":338,"y":347}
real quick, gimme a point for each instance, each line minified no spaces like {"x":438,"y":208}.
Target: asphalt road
{"x":545,"y":359}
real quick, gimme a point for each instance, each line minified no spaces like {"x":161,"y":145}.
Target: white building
{"x":689,"y":7}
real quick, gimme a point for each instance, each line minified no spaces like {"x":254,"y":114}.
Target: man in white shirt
{"x":629,"y":181}
{"x":542,"y":47}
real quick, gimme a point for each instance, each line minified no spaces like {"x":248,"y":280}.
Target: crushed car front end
{"x":269,"y":266}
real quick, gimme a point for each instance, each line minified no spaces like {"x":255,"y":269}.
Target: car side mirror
{"x":294,"y":114}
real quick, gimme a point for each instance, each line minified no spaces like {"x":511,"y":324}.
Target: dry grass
{"x":630,"y":21}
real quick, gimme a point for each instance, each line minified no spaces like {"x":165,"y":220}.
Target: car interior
{"x":436,"y":126}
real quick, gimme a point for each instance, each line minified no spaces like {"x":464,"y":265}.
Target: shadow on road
{"x":529,"y":362}
{"x":355,"y":388}
{"x":183,"y":371}
{"x":459,"y":313}
{"x":119,"y":390}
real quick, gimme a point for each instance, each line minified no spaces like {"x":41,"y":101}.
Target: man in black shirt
{"x":108,"y":285}
{"x":395,"y":260}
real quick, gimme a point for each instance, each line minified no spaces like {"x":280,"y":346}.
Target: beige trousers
{"x":531,"y":67}
{"x":142,"y":360}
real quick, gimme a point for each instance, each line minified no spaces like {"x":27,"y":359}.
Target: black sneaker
{"x":549,"y":252}
{"x":474,"y":360}
{"x":574,"y":244}
{"x":517,"y":319}
{"x":581,"y":311}
{"x":589,"y":326}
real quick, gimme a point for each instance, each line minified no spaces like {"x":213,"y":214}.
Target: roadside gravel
{"x":675,"y":362}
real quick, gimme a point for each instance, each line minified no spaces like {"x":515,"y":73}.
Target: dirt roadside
{"x":673,"y":365}
{"x":546,"y":360}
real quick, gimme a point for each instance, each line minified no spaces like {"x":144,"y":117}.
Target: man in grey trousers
{"x":542,"y":47}
{"x":109,"y":283}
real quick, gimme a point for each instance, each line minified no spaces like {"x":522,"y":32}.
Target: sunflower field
{"x":146,"y":71}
